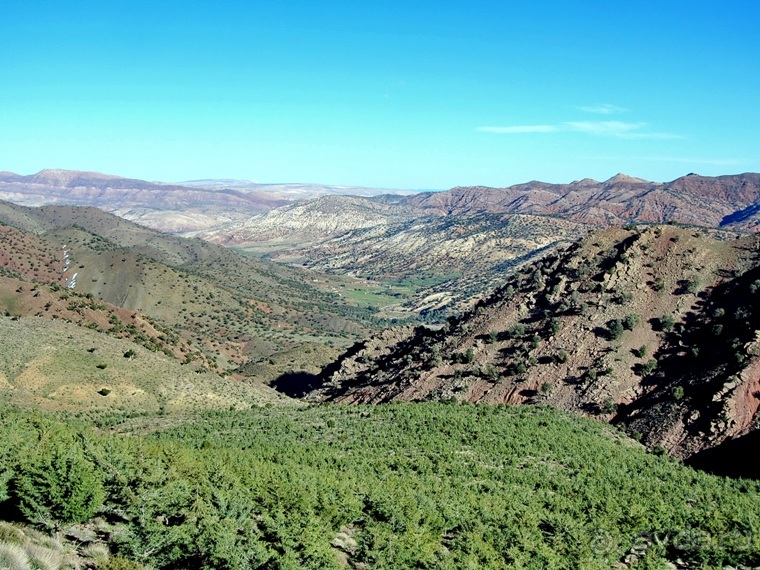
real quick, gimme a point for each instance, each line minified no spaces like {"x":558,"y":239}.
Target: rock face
{"x":655,"y":330}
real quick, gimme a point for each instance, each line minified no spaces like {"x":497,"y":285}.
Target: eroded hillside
{"x":453,"y":259}
{"x":653,"y":329}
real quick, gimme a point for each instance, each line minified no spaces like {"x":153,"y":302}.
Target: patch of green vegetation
{"x":372,"y":297}
{"x":397,"y":486}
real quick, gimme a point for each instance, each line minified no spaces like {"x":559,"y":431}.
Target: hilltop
{"x":652,"y":329}
{"x":195,"y":302}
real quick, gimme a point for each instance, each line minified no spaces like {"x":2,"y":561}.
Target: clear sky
{"x":418,"y":94}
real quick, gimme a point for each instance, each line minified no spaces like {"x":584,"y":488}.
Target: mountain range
{"x":463,"y":240}
{"x":224,"y":205}
{"x":574,"y":295}
{"x":172,"y":208}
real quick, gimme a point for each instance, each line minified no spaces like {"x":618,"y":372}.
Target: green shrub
{"x":615,"y":329}
{"x":517,"y":330}
{"x":57,"y":484}
{"x":667,"y":323}
{"x":648,"y":368}
{"x":631,"y":321}
{"x":692,"y":285}
{"x":562,"y":356}
{"x":609,"y":406}
{"x":118,"y":563}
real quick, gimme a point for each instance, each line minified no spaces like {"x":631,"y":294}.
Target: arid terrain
{"x":648,"y":326}
{"x":652,"y":329}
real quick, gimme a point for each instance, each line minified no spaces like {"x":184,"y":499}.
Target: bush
{"x":631,"y":321}
{"x":667,"y":323}
{"x":57,"y":484}
{"x":615,"y":329}
{"x":517,"y":330}
{"x":648,"y":368}
{"x":692,"y":286}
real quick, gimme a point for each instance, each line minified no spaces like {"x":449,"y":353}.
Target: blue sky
{"x":389,"y":94}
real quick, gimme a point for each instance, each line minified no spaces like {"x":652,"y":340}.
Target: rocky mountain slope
{"x":453,"y":258}
{"x":654,"y":329}
{"x":729,"y":201}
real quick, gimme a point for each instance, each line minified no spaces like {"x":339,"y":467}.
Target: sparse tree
{"x":615,"y":329}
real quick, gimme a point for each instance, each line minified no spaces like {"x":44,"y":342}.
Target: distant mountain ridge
{"x":295,"y":191}
{"x":171,"y":207}
{"x":691,"y":199}
{"x":475,"y":232}
{"x":166,"y":207}
{"x":219,"y":205}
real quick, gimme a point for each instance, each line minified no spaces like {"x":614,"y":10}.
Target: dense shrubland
{"x":397,"y":486}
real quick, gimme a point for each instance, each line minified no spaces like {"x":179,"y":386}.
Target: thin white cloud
{"x":604,"y":109}
{"x":604,"y":128}
{"x":610,"y":129}
{"x":521,"y":129}
{"x":617,"y":129}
